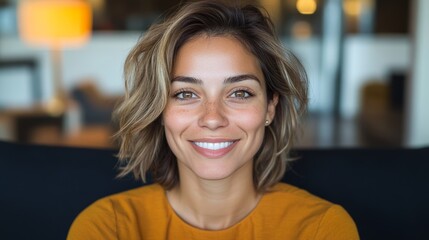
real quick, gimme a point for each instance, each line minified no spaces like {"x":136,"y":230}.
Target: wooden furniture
{"x":21,"y":125}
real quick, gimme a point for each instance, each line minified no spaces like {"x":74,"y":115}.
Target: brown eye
{"x":241,"y":94}
{"x":185,"y":95}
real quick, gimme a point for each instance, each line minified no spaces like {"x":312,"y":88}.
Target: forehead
{"x":215,"y":56}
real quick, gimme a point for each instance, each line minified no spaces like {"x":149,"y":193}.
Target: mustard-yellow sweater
{"x":144,"y":213}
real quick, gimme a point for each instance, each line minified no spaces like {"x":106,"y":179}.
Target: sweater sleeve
{"x":336,"y":224}
{"x":98,"y":221}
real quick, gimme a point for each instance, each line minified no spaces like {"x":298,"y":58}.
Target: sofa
{"x":386,"y":191}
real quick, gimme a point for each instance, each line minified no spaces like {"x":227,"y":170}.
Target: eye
{"x":241,"y":94}
{"x":185,"y":95}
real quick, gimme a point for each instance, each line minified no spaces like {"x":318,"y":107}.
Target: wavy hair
{"x":147,"y":72}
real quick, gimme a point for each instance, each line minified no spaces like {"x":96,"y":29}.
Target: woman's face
{"x":215,"y":116}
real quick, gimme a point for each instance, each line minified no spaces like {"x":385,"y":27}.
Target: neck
{"x":213,"y":204}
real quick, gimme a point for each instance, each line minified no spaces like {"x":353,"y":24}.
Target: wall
{"x":418,"y":94}
{"x":308,"y":52}
{"x":366,"y":58}
{"x":369,"y":58}
{"x":102,"y":60}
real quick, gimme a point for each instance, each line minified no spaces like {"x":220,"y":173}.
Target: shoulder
{"x":323,"y":219}
{"x":286,"y":193}
{"x":100,"y":219}
{"x":336,"y":223}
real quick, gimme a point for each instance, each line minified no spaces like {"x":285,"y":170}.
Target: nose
{"x":213,"y":116}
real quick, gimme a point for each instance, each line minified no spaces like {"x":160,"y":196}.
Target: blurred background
{"x":61,"y":68}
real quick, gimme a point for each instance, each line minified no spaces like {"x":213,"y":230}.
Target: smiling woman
{"x":211,"y":108}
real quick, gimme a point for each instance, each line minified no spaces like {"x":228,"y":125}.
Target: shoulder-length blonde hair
{"x":148,"y":67}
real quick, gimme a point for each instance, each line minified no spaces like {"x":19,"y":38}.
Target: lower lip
{"x":214,"y":153}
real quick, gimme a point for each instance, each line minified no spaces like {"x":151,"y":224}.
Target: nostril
{"x":213,"y":116}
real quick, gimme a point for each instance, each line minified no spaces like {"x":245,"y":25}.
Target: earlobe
{"x":271,"y":111}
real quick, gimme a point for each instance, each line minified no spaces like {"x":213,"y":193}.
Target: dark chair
{"x":96,"y":108}
{"x":385,"y":191}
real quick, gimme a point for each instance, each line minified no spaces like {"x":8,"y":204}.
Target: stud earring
{"x":267,"y":122}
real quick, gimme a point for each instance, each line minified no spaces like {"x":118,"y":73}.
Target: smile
{"x":213,"y":146}
{"x":214,"y":149}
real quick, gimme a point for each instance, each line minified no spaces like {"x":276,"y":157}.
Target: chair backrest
{"x":44,"y":188}
{"x":386,"y":191}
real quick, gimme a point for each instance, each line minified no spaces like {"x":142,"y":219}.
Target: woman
{"x":211,"y":107}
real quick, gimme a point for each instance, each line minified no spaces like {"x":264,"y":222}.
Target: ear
{"x":271,"y":111}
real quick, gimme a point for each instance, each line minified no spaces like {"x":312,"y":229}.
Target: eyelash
{"x":183,"y":91}
{"x":245,"y":91}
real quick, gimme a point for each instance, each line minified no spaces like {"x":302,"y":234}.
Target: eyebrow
{"x":228,"y":80}
{"x":187,"y":80}
{"x":240,"y":78}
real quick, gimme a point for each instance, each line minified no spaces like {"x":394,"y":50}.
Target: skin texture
{"x":217,"y":98}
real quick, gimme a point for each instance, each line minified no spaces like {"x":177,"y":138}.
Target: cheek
{"x":176,"y":120}
{"x":251,"y":118}
{"x":172,"y":127}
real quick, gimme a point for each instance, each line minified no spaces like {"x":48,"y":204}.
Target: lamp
{"x":55,"y":24}
{"x":306,"y":7}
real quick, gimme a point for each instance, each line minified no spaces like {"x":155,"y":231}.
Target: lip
{"x":214,"y":153}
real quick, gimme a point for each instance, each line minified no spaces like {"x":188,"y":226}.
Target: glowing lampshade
{"x":306,"y":7}
{"x":54,"y":23}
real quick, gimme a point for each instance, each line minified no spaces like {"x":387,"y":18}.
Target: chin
{"x":213,"y":175}
{"x":221,"y":172}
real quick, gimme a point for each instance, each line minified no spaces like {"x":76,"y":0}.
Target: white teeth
{"x":213,"y":146}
